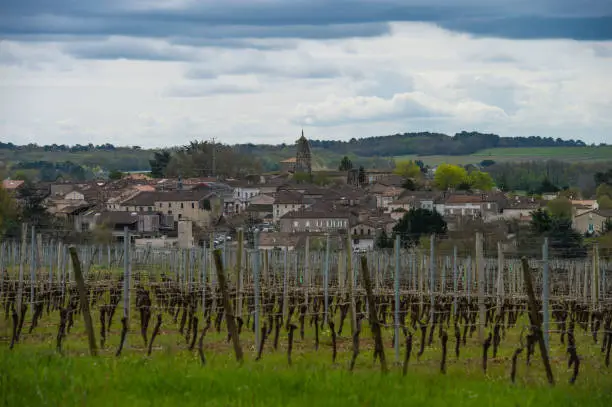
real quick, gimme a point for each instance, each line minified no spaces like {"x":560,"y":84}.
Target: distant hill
{"x":423,"y":144}
{"x":464,"y":147}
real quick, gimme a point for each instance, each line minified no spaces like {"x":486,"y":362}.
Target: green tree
{"x":602,"y":177}
{"x":481,"y":180}
{"x":607,"y":226}
{"x":346,"y":164}
{"x":564,"y":241}
{"x":605,"y":202}
{"x":560,"y":208}
{"x":603,"y":190}
{"x":302,"y":177}
{"x":419,"y":222}
{"x":8,"y":210}
{"x":158,"y":164}
{"x":407,"y":169}
{"x":571,"y":193}
{"x":410,"y":185}
{"x":383,"y":241}
{"x":115,"y":175}
{"x":541,"y":221}
{"x":547,"y":187}
{"x":449,"y":176}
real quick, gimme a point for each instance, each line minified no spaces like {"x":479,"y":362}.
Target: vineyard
{"x":99,"y":325}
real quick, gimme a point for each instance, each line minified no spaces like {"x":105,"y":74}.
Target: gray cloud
{"x":208,"y":89}
{"x":317,"y":19}
{"x":126,"y":48}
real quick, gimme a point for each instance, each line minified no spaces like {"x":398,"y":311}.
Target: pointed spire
{"x":302,"y":132}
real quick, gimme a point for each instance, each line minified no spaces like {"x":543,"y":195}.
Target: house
{"x":285,"y":202}
{"x":520,"y":208}
{"x":363,"y":236}
{"x":392,"y":180}
{"x":384,"y":194}
{"x":348,"y":195}
{"x":581,"y":206}
{"x":288,"y":165}
{"x":279,"y":241}
{"x":401,"y":205}
{"x":11,"y":184}
{"x":469,"y":205}
{"x":319,"y":218}
{"x":419,"y":199}
{"x":199,"y":206}
{"x":593,"y":221}
{"x":242,"y":193}
{"x":143,"y":224}
{"x":374,"y":175}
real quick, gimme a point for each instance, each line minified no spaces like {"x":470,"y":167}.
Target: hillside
{"x":518,"y":154}
{"x":79,"y":161}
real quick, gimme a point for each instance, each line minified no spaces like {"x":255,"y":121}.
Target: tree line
{"x":423,"y":143}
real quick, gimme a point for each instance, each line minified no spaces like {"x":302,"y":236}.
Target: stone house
{"x":319,"y":219}
{"x":285,"y":202}
{"x":199,"y":206}
{"x":520,"y":207}
{"x":384,"y":194}
{"x":279,"y":241}
{"x":142,"y":224}
{"x":469,"y":205}
{"x":592,"y":221}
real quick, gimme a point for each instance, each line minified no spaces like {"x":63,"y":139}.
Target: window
{"x":285,"y":206}
{"x":362,"y":232}
{"x":150,"y":209}
{"x":180,"y":216}
{"x":182,"y":205}
{"x":193,"y":205}
{"x":169,"y":212}
{"x":140,"y":209}
{"x":369,"y":232}
{"x":169,"y":204}
{"x":295,"y":224}
{"x":307,"y":223}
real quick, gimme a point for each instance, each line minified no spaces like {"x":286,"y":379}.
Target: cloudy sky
{"x":163,"y":72}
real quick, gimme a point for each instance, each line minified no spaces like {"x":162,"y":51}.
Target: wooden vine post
{"x":535,"y":317}
{"x":230,"y":318}
{"x":78,"y":276}
{"x":378,"y":343}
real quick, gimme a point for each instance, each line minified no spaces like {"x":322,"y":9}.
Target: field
{"x":192,"y":360}
{"x":568,"y":154}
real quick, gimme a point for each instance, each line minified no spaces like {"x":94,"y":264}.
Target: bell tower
{"x":303,"y":157}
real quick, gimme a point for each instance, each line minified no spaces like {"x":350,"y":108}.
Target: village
{"x":284,"y":209}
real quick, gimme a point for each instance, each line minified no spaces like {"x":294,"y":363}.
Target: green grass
{"x":570,"y":154}
{"x":34,"y":374}
{"x":37,"y":378}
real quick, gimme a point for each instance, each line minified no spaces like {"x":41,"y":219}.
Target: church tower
{"x":303,"y":158}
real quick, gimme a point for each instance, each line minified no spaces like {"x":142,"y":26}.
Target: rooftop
{"x":11,"y":184}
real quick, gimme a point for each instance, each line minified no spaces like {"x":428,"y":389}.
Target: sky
{"x":159,"y":73}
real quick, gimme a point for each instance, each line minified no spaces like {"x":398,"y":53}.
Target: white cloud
{"x":418,"y":78}
{"x":402,"y":106}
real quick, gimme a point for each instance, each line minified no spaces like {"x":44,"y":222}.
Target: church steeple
{"x":303,"y":159}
